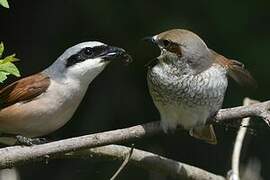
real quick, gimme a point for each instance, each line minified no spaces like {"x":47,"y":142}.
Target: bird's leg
{"x":21,"y":140}
{"x":212,"y":119}
{"x":166,"y":128}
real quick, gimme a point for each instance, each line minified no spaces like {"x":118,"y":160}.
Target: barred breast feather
{"x":187,"y":100}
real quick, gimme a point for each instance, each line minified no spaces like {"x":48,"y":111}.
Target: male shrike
{"x":39,"y":104}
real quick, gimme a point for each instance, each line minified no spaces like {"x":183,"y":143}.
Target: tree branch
{"x":124,"y":164}
{"x":254,"y":110}
{"x":234,"y":173}
{"x":17,"y":155}
{"x":148,"y":161}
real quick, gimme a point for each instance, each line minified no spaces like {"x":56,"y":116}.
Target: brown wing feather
{"x":24,"y":89}
{"x":236,"y":70}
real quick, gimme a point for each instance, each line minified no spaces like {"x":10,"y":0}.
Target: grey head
{"x":184,"y":50}
{"x":85,"y":61}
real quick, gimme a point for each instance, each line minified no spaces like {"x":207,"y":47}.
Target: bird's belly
{"x":33,"y":124}
{"x":187,"y":117}
{"x":38,"y":117}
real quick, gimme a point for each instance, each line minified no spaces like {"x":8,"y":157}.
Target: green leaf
{"x":1,"y":49}
{"x":9,"y":68}
{"x":10,"y":58}
{"x":4,"y":3}
{"x":6,"y":65}
{"x":3,"y":76}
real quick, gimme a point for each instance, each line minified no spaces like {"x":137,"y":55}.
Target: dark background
{"x":39,"y":31}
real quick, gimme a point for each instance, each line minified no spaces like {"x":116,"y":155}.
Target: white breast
{"x":182,"y":115}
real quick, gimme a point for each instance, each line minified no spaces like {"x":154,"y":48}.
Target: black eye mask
{"x":86,"y":53}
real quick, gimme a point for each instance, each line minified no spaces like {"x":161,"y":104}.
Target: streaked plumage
{"x":189,"y":81}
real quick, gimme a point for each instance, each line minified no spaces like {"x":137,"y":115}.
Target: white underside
{"x":181,"y":115}
{"x":45,"y":114}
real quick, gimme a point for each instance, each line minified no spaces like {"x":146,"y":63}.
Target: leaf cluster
{"x":7,"y":67}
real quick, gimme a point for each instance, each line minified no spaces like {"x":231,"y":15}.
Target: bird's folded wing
{"x":24,"y":89}
{"x":236,"y":70}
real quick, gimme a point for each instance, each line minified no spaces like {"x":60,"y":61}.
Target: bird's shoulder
{"x":24,"y":89}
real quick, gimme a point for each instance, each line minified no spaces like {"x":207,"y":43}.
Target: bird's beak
{"x":115,"y":53}
{"x":154,"y":61}
{"x":149,"y":39}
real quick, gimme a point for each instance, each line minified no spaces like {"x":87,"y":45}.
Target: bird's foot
{"x":21,"y":140}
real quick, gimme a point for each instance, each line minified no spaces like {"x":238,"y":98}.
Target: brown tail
{"x":205,"y":133}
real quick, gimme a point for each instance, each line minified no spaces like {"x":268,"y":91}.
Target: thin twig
{"x":125,"y":162}
{"x":234,"y":173}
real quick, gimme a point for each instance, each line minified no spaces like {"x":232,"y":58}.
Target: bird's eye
{"x":88,"y":51}
{"x":166,"y":43}
{"x":172,"y":47}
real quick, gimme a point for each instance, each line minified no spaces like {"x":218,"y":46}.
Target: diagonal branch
{"x":124,"y":164}
{"x":16,"y":155}
{"x":148,"y":161}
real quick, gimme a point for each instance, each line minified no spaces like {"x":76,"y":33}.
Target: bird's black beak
{"x":154,"y":61}
{"x":112,"y":53}
{"x":149,"y":39}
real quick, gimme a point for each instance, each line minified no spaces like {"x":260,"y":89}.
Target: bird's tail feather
{"x":205,"y":133}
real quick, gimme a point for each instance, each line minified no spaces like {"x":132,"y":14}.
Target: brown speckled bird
{"x":188,"y":82}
